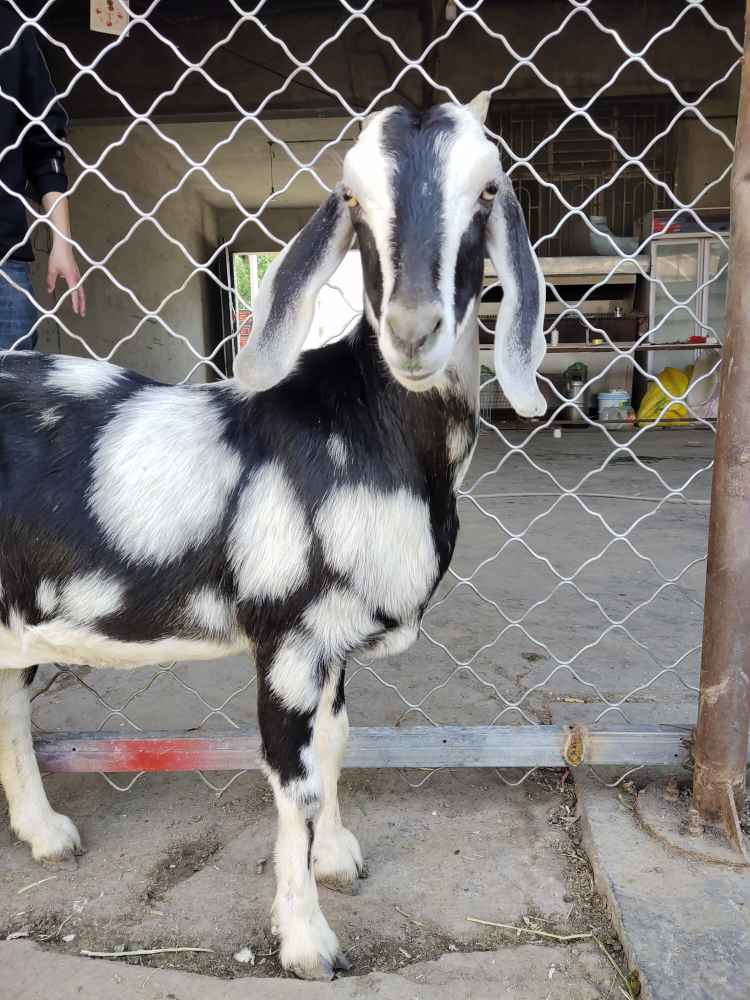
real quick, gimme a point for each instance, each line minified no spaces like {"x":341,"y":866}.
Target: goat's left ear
{"x":519,"y":331}
{"x":285,"y":305}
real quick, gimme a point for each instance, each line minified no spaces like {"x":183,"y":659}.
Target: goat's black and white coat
{"x":305,"y":508}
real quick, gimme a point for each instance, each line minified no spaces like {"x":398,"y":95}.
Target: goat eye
{"x":349,"y":199}
{"x":490,"y":191}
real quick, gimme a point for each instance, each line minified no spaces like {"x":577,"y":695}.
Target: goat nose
{"x":413,"y":328}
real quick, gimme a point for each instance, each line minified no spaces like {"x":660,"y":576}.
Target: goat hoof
{"x":327,"y":968}
{"x":342,"y":962}
{"x":323,"y":971}
{"x":54,"y":839}
{"x":363,"y":871}
{"x":337,"y":860}
{"x":348,"y":886}
{"x":309,"y":948}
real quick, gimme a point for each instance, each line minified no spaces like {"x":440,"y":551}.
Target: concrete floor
{"x":169,"y":863}
{"x":684,"y":921}
{"x":526,"y":972}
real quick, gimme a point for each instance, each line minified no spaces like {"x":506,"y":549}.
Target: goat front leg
{"x":290,"y":684}
{"x":337,"y":858}
{"x":51,"y":835}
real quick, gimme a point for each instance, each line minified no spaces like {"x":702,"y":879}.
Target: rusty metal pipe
{"x":724,"y":706}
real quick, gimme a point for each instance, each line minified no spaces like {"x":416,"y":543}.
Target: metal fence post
{"x":724,"y":707}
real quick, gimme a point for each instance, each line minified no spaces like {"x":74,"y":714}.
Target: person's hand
{"x":62,"y":264}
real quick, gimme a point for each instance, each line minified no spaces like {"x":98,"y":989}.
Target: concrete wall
{"x":359,"y":65}
{"x":702,"y":157}
{"x":580,"y":59}
{"x":147,"y":264}
{"x":282,"y":223}
{"x":147,"y":167}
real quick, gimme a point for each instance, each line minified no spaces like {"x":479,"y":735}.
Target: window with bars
{"x":574,"y":161}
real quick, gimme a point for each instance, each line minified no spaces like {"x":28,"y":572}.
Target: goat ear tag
{"x":519,"y":331}
{"x":285,"y":305}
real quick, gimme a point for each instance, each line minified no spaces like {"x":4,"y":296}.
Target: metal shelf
{"x":626,"y":348}
{"x":673,"y":423}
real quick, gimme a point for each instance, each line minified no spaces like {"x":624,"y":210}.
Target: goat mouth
{"x":416,"y":379}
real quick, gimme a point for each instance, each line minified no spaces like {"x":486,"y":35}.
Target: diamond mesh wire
{"x":576,"y":589}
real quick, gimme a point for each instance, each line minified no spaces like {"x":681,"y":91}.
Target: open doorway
{"x":248,"y":270}
{"x":239,"y":276}
{"x":338,"y":307}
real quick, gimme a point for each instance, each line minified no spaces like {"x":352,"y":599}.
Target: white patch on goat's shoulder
{"x":339,"y":622}
{"x":82,"y":377}
{"x":208,"y":609}
{"x":270,"y":539}
{"x":47,"y":596}
{"x":293,"y":674}
{"x":383,"y":541}
{"x":337,"y":450}
{"x":85,"y":598}
{"x":162,"y":473}
{"x":49,"y":417}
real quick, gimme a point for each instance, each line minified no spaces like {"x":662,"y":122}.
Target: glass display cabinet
{"x":687,"y":295}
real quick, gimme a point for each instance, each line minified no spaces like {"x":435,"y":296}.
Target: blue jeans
{"x":17,"y":313}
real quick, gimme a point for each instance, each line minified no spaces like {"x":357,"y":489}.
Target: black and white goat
{"x":305,"y":508}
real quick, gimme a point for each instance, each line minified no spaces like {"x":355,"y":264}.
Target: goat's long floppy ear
{"x":285,"y":305}
{"x":519,"y":336}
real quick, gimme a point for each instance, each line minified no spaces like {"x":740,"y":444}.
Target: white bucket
{"x":616,"y":399}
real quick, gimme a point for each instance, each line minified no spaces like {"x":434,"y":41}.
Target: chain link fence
{"x":202,"y":137}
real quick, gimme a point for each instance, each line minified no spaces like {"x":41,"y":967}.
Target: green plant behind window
{"x":242,"y":281}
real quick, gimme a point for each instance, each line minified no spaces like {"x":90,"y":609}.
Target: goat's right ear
{"x":285,"y":305}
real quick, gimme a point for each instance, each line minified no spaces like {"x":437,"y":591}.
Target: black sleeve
{"x":43,"y":156}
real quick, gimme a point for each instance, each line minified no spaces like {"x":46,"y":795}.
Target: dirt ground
{"x":549,"y":606}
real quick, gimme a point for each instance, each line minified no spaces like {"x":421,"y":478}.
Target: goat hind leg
{"x":337,"y":858}
{"x":51,"y":835}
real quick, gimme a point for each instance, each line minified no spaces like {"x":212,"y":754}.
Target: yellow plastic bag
{"x":658,"y":400}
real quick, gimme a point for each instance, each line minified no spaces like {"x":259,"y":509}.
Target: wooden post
{"x":724,"y":706}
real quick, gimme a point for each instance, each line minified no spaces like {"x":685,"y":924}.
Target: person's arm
{"x":43,"y":153}
{"x":44,"y":162}
{"x":62,"y":263}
